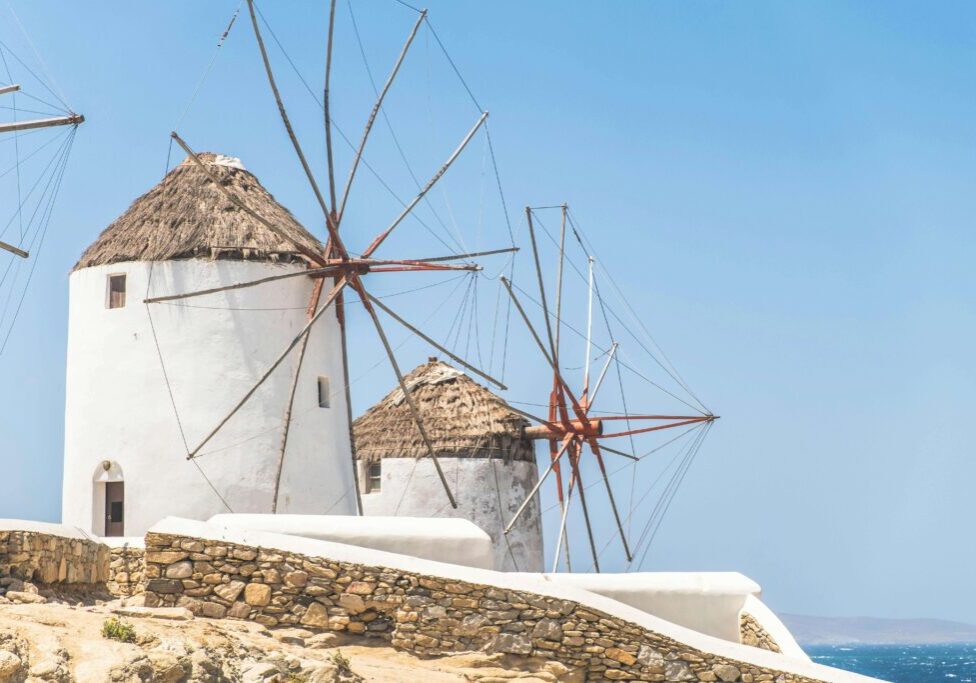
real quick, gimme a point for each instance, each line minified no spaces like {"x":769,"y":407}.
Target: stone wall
{"x":752,"y":633}
{"x":422,"y":614}
{"x":50,"y":559}
{"x":126,"y":570}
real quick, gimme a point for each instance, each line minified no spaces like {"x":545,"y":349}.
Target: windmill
{"x":570,"y":427}
{"x":336,"y":262}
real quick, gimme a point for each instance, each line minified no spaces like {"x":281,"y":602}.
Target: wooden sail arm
{"x":423,"y":192}
{"x":311,"y":272}
{"x":14,"y":250}
{"x":417,"y":266}
{"x":330,"y":299}
{"x":4,"y":89}
{"x":471,"y":254}
{"x":69,"y":120}
{"x":595,"y":448}
{"x":670,"y":425}
{"x":408,"y":398}
{"x":703,"y":418}
{"x":332,"y":267}
{"x":586,"y":512}
{"x":386,"y":309}
{"x":329,"y":213}
{"x":341,"y":208}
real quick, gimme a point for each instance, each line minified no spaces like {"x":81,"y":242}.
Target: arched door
{"x":115,"y":508}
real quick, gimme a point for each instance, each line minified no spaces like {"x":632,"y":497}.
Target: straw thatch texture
{"x":462,"y":419}
{"x":187,"y":216}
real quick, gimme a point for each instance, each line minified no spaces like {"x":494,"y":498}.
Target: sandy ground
{"x":59,"y":642}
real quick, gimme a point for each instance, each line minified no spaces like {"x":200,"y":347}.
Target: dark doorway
{"x":114,"y":508}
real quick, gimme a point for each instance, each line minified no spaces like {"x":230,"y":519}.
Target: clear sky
{"x":783,"y":189}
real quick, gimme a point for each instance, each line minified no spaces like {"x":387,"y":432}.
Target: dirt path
{"x":60,"y":642}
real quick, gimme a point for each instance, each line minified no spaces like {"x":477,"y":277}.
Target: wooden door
{"x":114,"y":508}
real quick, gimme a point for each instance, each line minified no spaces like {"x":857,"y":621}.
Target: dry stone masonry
{"x":49,"y":559}
{"x":422,"y":614}
{"x":126,"y":569}
{"x":752,"y":633}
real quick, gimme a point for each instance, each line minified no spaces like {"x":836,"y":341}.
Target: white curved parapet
{"x":773,"y":626}
{"x":453,"y":540}
{"x":527,"y":583}
{"x":707,"y":602}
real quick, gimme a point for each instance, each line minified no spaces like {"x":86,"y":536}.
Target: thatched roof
{"x":187,"y":216}
{"x":461,"y":417}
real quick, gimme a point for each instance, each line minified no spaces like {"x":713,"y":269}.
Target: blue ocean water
{"x":902,"y":663}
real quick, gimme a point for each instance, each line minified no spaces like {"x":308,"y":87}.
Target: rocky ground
{"x":47,"y":637}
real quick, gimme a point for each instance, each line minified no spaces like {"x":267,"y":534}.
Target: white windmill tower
{"x":120,"y":475}
{"x":485,"y":448}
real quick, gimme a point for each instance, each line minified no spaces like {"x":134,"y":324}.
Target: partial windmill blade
{"x":330,"y":224}
{"x":376,"y":110}
{"x":326,"y":113}
{"x":559,"y":283}
{"x":333,"y":294}
{"x":426,"y":188}
{"x":14,"y":250}
{"x":386,"y":309}
{"x":589,"y":334}
{"x":310,"y":254}
{"x":595,"y":448}
{"x":70,"y":120}
{"x":365,"y":298}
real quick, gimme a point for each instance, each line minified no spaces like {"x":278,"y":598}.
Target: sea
{"x":902,"y":663}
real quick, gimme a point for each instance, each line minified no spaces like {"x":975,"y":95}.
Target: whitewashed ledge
{"x":447,"y":539}
{"x":48,"y":528}
{"x":168,"y":535}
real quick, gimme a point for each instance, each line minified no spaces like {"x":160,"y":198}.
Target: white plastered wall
{"x":214,"y":348}
{"x":488,"y":492}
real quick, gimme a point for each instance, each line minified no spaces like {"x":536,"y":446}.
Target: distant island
{"x":868,"y":630}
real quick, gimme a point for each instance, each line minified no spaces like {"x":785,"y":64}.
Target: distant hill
{"x":847,"y":630}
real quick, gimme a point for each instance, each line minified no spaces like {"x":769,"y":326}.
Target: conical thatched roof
{"x":187,"y":216}
{"x":461,"y":417}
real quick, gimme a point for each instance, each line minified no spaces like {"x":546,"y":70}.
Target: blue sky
{"x":782,"y":189}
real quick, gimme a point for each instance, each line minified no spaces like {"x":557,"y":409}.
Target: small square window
{"x":323,"y":392}
{"x":374,"y":477}
{"x":116,"y":291}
